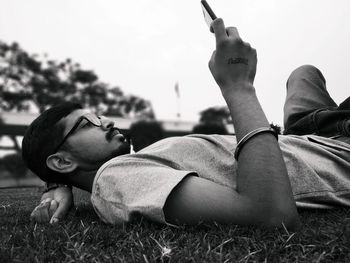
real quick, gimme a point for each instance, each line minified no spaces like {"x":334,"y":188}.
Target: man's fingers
{"x":44,"y":212}
{"x":41,"y":212}
{"x":34,"y":214}
{"x":211,"y":60}
{"x":61,"y":211}
{"x":219,"y":30}
{"x":232,"y":32}
{"x":53,"y":207}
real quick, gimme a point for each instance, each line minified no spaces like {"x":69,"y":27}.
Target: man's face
{"x":90,"y":145}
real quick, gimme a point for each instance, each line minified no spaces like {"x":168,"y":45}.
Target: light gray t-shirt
{"x":139,"y":184}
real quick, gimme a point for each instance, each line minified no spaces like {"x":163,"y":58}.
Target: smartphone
{"x":209,"y":15}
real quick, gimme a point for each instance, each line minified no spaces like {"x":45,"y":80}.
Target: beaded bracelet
{"x":50,"y":186}
{"x":253,"y":133}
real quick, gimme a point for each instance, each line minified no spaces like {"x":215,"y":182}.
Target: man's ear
{"x":61,"y":163}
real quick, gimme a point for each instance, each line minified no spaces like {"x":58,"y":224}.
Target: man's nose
{"x":107,"y":124}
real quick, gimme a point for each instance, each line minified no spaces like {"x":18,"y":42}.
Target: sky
{"x":145,"y":47}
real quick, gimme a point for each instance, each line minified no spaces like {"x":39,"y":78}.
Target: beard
{"x":122,"y":149}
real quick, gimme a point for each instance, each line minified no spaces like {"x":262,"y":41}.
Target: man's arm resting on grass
{"x":54,"y":206}
{"x":197,"y":199}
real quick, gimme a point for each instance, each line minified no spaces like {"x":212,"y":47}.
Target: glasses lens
{"x":93,"y":119}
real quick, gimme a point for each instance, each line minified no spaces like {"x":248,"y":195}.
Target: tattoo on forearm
{"x":237,"y":61}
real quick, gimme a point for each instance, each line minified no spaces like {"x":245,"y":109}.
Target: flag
{"x":177,"y":89}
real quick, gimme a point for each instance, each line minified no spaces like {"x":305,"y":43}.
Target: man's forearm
{"x":245,"y":109}
{"x":262,"y":174}
{"x":262,"y":179}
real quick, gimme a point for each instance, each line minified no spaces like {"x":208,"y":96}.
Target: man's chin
{"x":122,"y":149}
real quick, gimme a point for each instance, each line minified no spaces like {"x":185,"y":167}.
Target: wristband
{"x":50,"y":186}
{"x":251,"y":134}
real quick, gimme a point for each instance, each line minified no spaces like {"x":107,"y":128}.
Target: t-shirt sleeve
{"x":125,"y":189}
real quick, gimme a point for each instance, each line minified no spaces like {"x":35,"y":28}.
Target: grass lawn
{"x":324,"y":237}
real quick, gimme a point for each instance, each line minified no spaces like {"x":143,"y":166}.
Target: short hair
{"x":41,"y":138}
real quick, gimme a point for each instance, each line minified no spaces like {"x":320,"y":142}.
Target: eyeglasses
{"x":88,"y":118}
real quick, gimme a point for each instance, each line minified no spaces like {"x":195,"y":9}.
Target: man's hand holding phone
{"x":233,"y":63}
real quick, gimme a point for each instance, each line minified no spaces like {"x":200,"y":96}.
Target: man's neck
{"x":84,"y":179}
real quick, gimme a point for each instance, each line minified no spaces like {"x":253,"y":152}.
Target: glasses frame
{"x":91,"y":118}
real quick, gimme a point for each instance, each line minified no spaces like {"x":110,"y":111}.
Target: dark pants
{"x":309,"y":109}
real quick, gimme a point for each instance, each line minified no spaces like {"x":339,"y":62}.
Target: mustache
{"x":110,"y":133}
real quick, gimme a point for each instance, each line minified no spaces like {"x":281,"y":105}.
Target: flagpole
{"x":178,"y":101}
{"x":178,"y":109}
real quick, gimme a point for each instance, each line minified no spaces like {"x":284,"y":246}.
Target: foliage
{"x":31,"y":81}
{"x":14,"y":164}
{"x":144,"y":133}
{"x":210,"y":128}
{"x":218,"y":114}
{"x":82,"y":237}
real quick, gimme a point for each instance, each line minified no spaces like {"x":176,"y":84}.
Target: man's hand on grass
{"x":55,"y":205}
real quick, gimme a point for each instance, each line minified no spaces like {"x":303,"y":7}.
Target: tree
{"x":217,"y":114}
{"x":145,"y":132}
{"x":28,"y":80}
{"x":210,"y":128}
{"x":14,"y":164}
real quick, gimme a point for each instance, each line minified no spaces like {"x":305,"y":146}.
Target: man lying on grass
{"x":203,"y":178}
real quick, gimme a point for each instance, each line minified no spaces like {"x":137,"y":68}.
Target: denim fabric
{"x":309,"y":109}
